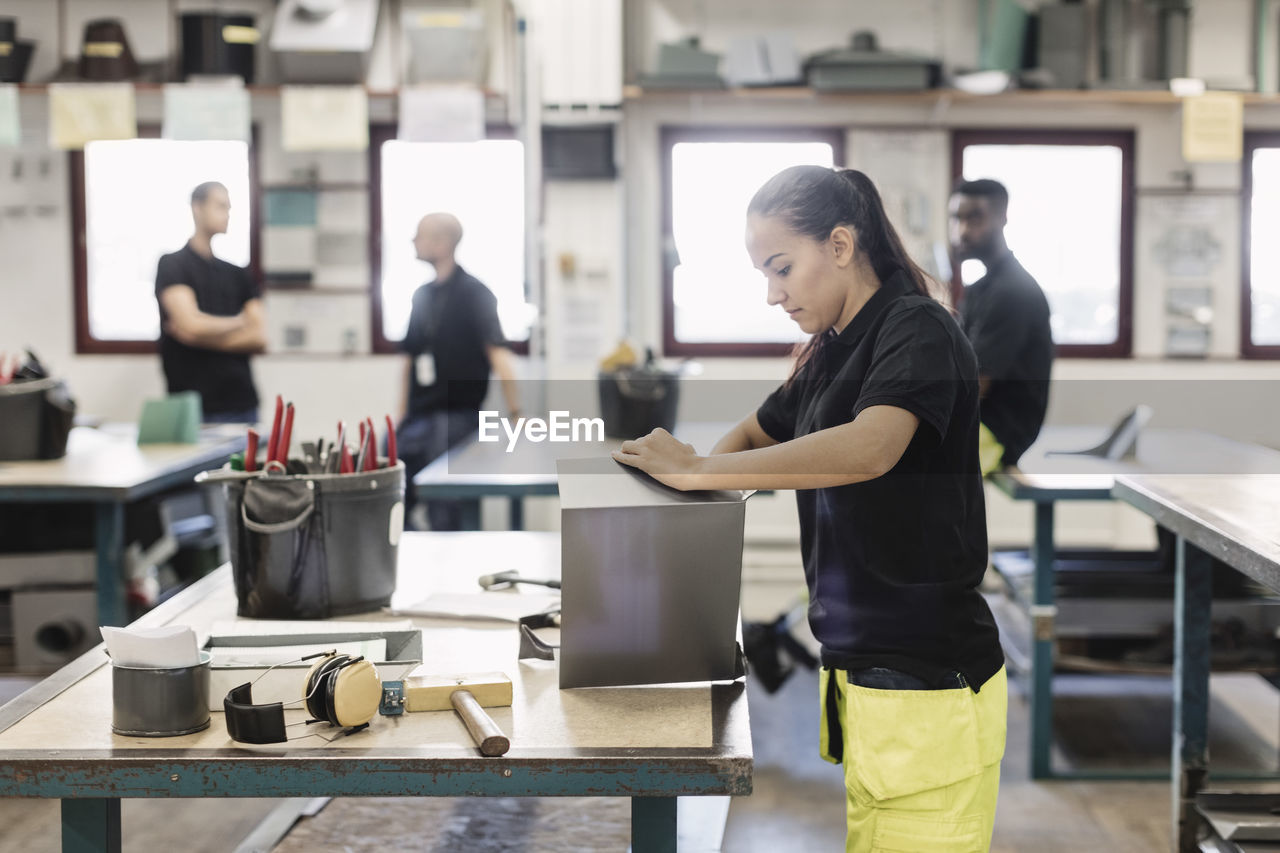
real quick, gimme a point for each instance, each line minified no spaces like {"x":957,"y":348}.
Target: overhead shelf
{"x":1015,"y":97}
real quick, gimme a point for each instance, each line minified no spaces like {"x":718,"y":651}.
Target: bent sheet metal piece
{"x":651,"y":578}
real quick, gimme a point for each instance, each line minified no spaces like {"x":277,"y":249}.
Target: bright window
{"x":1263,"y":291}
{"x":137,"y":207}
{"x":716,"y":298}
{"x":481,"y":183}
{"x":1068,"y":225}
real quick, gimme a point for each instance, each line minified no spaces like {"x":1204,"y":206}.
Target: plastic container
{"x":636,"y":401}
{"x":35,"y":419}
{"x":312,"y":546}
{"x":160,"y":702}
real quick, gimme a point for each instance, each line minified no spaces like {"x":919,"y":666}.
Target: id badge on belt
{"x":425,"y":369}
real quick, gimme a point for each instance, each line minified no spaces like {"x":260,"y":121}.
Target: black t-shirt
{"x":1006,"y":317}
{"x":893,"y":563}
{"x":455,"y":321}
{"x":223,"y":379}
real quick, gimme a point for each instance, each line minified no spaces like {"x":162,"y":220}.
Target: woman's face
{"x":807,"y":278}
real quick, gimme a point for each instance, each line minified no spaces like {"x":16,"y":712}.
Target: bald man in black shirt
{"x":1006,"y":318}
{"x":453,"y":341}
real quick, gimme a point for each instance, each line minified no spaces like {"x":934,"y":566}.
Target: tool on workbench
{"x":469,"y":695}
{"x":504,"y":580}
{"x":340,"y":690}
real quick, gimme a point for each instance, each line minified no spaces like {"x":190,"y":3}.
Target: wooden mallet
{"x":469,"y":695}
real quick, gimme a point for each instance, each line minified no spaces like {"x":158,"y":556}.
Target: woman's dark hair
{"x":814,"y":201}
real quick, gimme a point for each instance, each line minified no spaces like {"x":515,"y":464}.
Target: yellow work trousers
{"x":921,"y":767}
{"x":990,"y":451}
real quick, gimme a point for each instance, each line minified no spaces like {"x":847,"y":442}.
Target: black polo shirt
{"x":1006,"y":317}
{"x":456,"y":321}
{"x":893,"y":564}
{"x":223,"y":379}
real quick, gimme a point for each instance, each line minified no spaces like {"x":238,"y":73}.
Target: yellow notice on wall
{"x":84,"y":112}
{"x":1213,"y":128}
{"x":324,"y":118}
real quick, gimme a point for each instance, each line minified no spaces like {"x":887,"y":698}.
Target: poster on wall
{"x":1185,"y":248}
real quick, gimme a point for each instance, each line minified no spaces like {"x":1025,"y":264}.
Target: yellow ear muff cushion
{"x":357,"y":694}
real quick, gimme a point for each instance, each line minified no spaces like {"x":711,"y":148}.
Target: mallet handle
{"x":484,"y":731}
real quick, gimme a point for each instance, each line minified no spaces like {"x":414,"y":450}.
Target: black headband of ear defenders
{"x":250,"y":723}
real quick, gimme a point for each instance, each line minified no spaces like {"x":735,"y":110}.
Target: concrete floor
{"x":798,"y":801}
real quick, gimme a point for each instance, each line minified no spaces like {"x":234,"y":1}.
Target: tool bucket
{"x":312,"y":546}
{"x":636,"y":401}
{"x":35,"y":420}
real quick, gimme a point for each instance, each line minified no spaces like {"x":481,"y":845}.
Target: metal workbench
{"x":650,"y":744}
{"x":106,"y":468}
{"x":1235,"y":519}
{"x":1045,"y":478}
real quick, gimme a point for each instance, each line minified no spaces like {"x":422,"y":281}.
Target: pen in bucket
{"x":371,"y":454}
{"x":251,"y":453}
{"x":391,"y":443}
{"x":286,"y":437}
{"x":275,"y":429}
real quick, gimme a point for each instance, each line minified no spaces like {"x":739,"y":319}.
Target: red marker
{"x":391,"y":443}
{"x":345,"y":465}
{"x":282,"y":449}
{"x":251,"y":454}
{"x":275,"y":429}
{"x":340,"y":447}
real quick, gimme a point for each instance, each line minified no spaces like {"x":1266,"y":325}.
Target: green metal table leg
{"x":1193,"y":600}
{"x":1042,"y":618}
{"x":653,"y":825}
{"x":109,"y":540}
{"x":91,"y":826}
{"x":515,"y":512}
{"x":1042,"y":643}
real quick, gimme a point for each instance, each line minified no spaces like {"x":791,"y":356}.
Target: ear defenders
{"x":343,"y":691}
{"x":339,"y":690}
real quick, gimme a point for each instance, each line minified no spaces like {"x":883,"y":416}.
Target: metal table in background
{"x":476,"y":470}
{"x":106,"y":468}
{"x":1236,"y":520}
{"x":564,"y":743}
{"x":1045,"y":478}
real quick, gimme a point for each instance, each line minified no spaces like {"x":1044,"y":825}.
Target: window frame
{"x":85,"y":342}
{"x":385,"y":132}
{"x":1123,"y":139}
{"x":671,"y":135}
{"x":1253,"y":140}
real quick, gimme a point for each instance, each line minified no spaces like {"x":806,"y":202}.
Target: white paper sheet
{"x":441,"y":114}
{"x":324,"y":118}
{"x":204,"y":111}
{"x":165,"y":647}
{"x":10,"y":122}
{"x":485,"y":606}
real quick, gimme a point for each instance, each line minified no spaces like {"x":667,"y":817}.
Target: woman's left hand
{"x":663,"y":457}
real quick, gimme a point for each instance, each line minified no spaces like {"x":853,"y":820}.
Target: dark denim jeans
{"x":420,"y":440}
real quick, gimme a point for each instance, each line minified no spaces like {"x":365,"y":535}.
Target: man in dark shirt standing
{"x":211,"y":317}
{"x":1006,"y":317}
{"x":453,"y":341}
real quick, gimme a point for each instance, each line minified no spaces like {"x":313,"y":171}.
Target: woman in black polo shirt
{"x":877,"y":431}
